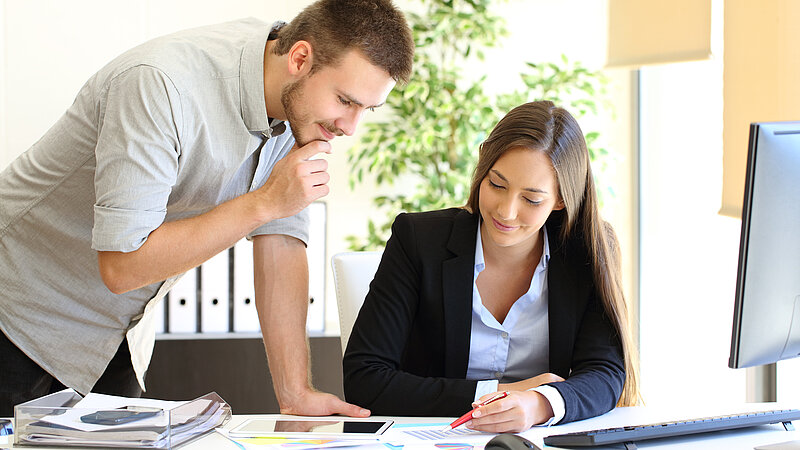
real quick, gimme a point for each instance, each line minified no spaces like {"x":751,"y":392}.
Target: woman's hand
{"x":530,"y":383}
{"x":517,"y":412}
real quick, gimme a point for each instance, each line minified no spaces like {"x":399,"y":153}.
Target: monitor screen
{"x":766,"y":323}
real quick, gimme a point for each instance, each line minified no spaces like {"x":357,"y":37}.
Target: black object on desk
{"x":510,"y":442}
{"x":119,"y":416}
{"x":630,"y":434}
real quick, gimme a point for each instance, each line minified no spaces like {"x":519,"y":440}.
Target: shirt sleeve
{"x":485,"y":387}
{"x":295,"y":226}
{"x":137,"y":152}
{"x":556,"y":402}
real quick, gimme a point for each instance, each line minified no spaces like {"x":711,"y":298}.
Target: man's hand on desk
{"x":314,"y":403}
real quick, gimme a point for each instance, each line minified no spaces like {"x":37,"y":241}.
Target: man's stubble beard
{"x":290,"y":95}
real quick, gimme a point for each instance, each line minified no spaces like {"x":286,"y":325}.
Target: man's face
{"x":330,"y":102}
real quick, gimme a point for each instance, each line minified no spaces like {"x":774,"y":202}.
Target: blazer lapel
{"x":457,"y":293}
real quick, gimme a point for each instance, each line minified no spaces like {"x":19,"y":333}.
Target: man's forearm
{"x":175,"y":247}
{"x":281,"y":282}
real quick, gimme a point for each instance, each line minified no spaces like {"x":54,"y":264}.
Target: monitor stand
{"x":762,"y":382}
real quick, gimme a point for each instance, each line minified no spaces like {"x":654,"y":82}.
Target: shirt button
{"x":504,"y":334}
{"x":498,"y":375}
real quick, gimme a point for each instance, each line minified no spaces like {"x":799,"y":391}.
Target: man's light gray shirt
{"x":167,"y":130}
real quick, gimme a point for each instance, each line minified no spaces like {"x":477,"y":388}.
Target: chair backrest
{"x":352,"y":273}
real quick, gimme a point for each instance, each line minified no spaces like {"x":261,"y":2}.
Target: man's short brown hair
{"x":375,"y":27}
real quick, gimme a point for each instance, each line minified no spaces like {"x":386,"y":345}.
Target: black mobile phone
{"x":117,"y":416}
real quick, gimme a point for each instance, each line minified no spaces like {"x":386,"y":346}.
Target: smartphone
{"x":117,"y":416}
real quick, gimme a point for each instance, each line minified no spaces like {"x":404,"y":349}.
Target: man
{"x":170,"y":154}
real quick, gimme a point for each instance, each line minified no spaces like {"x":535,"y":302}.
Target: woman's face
{"x":516,"y":198}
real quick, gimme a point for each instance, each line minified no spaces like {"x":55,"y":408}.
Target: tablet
{"x":331,"y":427}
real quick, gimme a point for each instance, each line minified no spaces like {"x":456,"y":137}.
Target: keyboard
{"x":629,"y":434}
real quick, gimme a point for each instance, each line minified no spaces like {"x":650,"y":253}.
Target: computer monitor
{"x":766,"y":322}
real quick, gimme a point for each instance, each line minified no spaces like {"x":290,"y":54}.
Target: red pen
{"x":468,"y":416}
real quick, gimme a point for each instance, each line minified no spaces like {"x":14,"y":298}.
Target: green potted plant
{"x":438,"y":119}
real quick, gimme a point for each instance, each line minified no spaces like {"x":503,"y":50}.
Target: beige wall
{"x":761,"y":73}
{"x":648,"y":32}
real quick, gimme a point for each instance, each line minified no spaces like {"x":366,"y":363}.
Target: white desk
{"x":746,"y":438}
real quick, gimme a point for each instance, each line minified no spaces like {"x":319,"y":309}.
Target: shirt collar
{"x":251,"y":82}
{"x":546,"y":249}
{"x":480,"y":262}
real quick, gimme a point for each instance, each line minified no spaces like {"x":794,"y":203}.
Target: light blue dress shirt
{"x":518,"y":348}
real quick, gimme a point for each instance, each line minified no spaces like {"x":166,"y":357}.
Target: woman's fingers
{"x":515,"y":413}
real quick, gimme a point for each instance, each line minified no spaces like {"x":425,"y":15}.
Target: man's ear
{"x":300,"y":58}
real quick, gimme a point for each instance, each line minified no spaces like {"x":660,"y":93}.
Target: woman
{"x":519,"y":291}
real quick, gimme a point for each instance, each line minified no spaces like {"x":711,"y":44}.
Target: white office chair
{"x":352,"y":273}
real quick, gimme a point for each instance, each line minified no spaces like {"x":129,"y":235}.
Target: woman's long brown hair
{"x":541,"y":126}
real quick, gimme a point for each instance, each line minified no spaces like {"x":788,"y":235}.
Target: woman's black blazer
{"x":409,"y":349}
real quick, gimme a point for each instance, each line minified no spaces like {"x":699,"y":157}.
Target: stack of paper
{"x":108,"y":421}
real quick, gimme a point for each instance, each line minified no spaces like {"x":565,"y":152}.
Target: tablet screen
{"x":308,"y":427}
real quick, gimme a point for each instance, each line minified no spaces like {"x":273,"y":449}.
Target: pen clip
{"x":495,"y":397}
